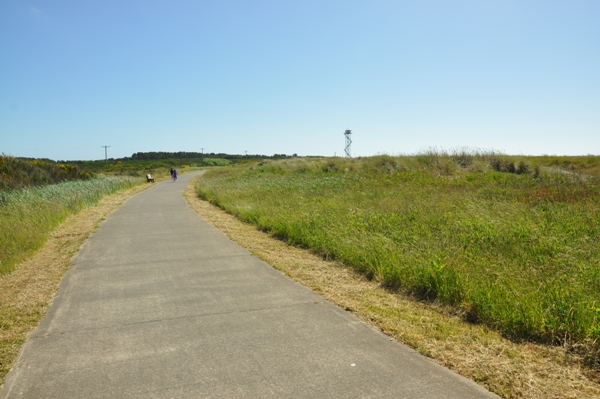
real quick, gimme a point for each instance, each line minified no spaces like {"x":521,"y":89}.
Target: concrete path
{"x":160,"y":304}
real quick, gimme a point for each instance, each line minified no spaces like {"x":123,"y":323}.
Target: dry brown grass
{"x":513,"y":370}
{"x":26,"y":292}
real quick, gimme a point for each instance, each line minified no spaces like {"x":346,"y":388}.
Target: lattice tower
{"x":347,"y":133}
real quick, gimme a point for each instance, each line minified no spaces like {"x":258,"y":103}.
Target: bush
{"x":17,"y":173}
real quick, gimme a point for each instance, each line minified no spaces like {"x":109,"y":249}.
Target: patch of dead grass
{"x":26,"y":292}
{"x":512,"y":370}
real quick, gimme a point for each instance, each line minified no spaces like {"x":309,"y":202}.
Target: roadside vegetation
{"x":47,"y":210}
{"x":510,"y":243}
{"x":510,"y":368}
{"x":26,"y":292}
{"x":141,"y":163}
{"x":29,"y":215}
{"x":18,"y":173}
{"x":141,"y":167}
{"x":36,"y":195}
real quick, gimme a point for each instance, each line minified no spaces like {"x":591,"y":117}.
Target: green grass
{"x":19,"y":173}
{"x":588,"y":164}
{"x":27,"y":216}
{"x":514,"y":247}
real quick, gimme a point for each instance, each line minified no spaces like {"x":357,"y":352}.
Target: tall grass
{"x":27,"y":216}
{"x":515,"y":247}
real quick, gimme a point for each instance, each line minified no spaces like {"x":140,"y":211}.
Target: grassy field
{"x":508,"y":242}
{"x":28,"y":215}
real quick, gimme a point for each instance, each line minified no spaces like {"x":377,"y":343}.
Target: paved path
{"x":160,"y":304}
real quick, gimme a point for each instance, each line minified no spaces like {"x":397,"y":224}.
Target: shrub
{"x":18,"y":173}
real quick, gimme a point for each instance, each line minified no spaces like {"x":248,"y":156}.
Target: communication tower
{"x":348,"y":142}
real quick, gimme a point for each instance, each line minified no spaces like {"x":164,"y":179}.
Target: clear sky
{"x":266,"y":77}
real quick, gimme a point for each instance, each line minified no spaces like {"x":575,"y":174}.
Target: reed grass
{"x":28,"y":215}
{"x":515,"y":247}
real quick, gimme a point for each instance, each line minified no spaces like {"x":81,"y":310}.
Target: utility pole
{"x":105,"y":154}
{"x":202,"y":156}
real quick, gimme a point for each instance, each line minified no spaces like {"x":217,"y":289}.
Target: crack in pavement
{"x":199,"y":315}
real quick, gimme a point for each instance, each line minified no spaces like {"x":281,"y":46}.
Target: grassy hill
{"x":510,"y":242}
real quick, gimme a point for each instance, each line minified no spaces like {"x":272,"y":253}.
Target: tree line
{"x":157,"y":155}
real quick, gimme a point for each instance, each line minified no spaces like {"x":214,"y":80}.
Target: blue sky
{"x":266,"y":77}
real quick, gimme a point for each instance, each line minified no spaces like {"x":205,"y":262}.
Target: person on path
{"x":174,"y":175}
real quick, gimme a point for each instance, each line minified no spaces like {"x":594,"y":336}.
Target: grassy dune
{"x":508,"y":243}
{"x":28,"y":215}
